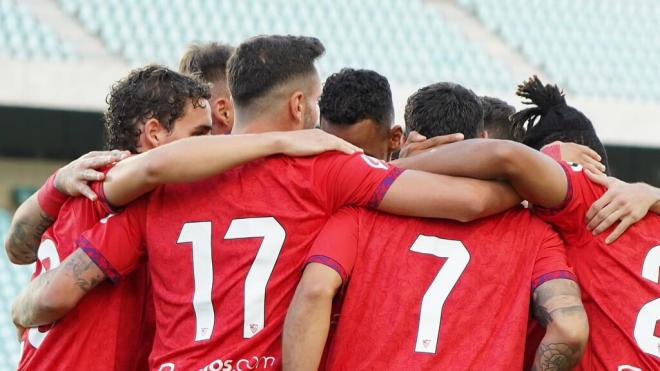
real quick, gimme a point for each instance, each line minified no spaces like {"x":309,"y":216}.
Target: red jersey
{"x":225,"y":254}
{"x":620,"y":286}
{"x":435,"y":295}
{"x":105,"y":330}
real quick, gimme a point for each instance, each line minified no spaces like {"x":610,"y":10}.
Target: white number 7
{"x":434,"y":298}
{"x":199,"y":235}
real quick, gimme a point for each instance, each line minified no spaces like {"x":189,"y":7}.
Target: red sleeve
{"x":98,"y":188}
{"x":336,"y":245}
{"x":355,"y":180}
{"x":116,"y":243}
{"x":581,"y":193}
{"x":551,"y":262}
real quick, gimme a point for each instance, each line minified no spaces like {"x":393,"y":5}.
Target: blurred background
{"x":58,"y":59}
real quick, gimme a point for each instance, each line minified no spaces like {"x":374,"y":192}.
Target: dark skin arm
{"x":558,"y":307}
{"x":535,"y":177}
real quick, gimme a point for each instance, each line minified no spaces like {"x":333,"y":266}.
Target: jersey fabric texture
{"x":225,"y":254}
{"x":435,"y":295}
{"x":620,"y":286}
{"x":111,"y":328}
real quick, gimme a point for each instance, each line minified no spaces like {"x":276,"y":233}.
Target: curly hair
{"x":264,"y":62}
{"x":150,"y":92}
{"x":497,"y":121}
{"x":551,"y":119}
{"x":352,"y":95}
{"x":444,"y":108}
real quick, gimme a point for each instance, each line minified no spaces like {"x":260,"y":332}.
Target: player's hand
{"x":312,"y":142}
{"x":416,"y":143}
{"x":73,"y":178}
{"x":581,"y":155}
{"x":624,"y":202}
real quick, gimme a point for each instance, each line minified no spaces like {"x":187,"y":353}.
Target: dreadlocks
{"x":552,"y":119}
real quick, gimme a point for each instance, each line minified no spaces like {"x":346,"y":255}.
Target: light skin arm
{"x":558,"y":307}
{"x":30,"y":221}
{"x":308,"y":320}
{"x":53,"y":294}
{"x":535,"y":177}
{"x":623,"y":202}
{"x":196,"y":158}
{"x":24,"y":235}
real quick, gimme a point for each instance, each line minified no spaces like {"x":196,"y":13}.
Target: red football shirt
{"x":225,"y":254}
{"x":620,"y":286}
{"x":435,"y":295}
{"x":105,"y":331}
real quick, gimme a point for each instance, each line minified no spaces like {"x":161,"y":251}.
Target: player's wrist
{"x":51,"y":198}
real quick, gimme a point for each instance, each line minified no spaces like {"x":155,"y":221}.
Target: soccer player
{"x":209,"y":63}
{"x":419,"y":294}
{"x":619,"y":281}
{"x":225,"y":253}
{"x":151,"y":107}
{"x":497,"y":122}
{"x":356,"y":105}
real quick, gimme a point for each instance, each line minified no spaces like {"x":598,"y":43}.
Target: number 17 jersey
{"x":225,"y":254}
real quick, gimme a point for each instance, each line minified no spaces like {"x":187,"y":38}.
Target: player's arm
{"x":558,"y":307}
{"x":535,"y":177}
{"x":421,"y":194}
{"x":308,"y":319}
{"x":624,"y":202}
{"x":53,"y":294}
{"x":40,"y":210}
{"x":196,"y":158}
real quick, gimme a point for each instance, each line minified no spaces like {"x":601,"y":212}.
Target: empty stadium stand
{"x":12,"y":279}
{"x":595,"y":48}
{"x":407,"y":41}
{"x":22,"y":36}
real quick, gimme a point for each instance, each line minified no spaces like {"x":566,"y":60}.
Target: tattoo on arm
{"x":83,"y":271}
{"x":554,"y":357}
{"x":25,"y":236}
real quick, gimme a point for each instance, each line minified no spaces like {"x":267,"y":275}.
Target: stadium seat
{"x":22,"y":36}
{"x":581,"y":45}
{"x":12,"y":279}
{"x":407,"y":41}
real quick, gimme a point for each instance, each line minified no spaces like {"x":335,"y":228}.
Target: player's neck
{"x":258,"y":126}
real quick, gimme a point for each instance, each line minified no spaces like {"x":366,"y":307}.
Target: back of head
{"x":444,"y":108}
{"x":551,"y":119}
{"x":497,"y":121}
{"x":263,"y":63}
{"x":208,"y":62}
{"x":350,"y":96}
{"x":149,"y":92}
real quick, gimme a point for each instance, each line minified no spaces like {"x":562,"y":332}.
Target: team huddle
{"x":360,"y":246}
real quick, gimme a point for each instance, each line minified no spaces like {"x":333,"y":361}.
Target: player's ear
{"x":297,"y":107}
{"x":152,"y":134}
{"x":395,"y":139}
{"x":483,"y":134}
{"x":223,"y":115}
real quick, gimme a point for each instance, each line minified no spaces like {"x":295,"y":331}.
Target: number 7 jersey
{"x":225,"y":254}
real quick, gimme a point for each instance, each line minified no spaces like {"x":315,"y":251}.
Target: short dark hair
{"x":444,"y":108}
{"x":556,"y":120}
{"x":350,"y":96}
{"x":264,"y":62}
{"x":206,"y":61}
{"x":497,"y":121}
{"x":150,"y":92}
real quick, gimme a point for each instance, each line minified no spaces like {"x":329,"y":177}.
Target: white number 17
{"x":199,"y":235}
{"x":434,"y":298}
